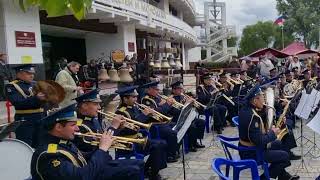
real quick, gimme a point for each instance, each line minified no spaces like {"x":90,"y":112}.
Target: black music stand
{"x":6,"y":129}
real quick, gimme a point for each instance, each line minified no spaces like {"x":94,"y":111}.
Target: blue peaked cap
{"x":92,"y":96}
{"x":127,"y":91}
{"x":25,"y":67}
{"x":63,"y":114}
{"x":150,"y":84}
{"x":255,"y":91}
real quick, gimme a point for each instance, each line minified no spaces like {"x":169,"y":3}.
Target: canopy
{"x":264,"y":51}
{"x":294,"y":48}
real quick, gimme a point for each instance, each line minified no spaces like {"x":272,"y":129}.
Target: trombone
{"x":156,"y":115}
{"x":130,"y":124}
{"x":176,"y":104}
{"x":119,"y":142}
{"x":196,"y":103}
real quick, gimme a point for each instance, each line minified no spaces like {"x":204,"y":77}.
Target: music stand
{"x":6,"y":129}
{"x":211,"y":104}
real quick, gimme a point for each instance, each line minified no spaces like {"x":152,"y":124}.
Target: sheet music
{"x":299,"y":110}
{"x":316,"y":100}
{"x":314,"y":124}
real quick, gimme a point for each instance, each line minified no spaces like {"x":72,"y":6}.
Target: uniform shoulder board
{"x":52,"y":148}
{"x":122,"y":109}
{"x":14,"y":82}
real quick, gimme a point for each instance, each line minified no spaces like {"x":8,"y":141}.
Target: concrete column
{"x":129,"y":35}
{"x":13,"y":19}
{"x":180,"y":15}
{"x":164,"y":5}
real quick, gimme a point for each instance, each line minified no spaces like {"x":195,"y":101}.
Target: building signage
{"x":136,"y":5}
{"x":25,"y":39}
{"x":131,"y":47}
{"x":118,"y":56}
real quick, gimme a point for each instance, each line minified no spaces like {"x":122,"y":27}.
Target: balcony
{"x":144,"y":15}
{"x":187,"y":7}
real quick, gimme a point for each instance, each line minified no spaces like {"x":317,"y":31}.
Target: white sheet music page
{"x":298,"y":112}
{"x":316,"y":100}
{"x":314,"y":124}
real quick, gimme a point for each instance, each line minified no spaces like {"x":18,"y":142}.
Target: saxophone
{"x":281,"y":122}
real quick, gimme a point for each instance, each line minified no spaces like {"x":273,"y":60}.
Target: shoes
{"x":155,"y":177}
{"x":287,"y":176}
{"x":294,"y":157}
{"x":197,"y":145}
{"x":171,"y":159}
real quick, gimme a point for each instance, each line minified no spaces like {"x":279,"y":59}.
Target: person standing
{"x":28,"y":106}
{"x":69,"y":80}
{"x":5,"y":75}
{"x":265,"y":65}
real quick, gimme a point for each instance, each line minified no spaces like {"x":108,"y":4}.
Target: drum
{"x":15,"y":158}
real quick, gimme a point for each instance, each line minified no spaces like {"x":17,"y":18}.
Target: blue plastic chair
{"x":238,"y":166}
{"x":226,"y":143}
{"x":235,"y":120}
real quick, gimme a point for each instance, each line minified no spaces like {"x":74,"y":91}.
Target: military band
{"x":74,"y":142}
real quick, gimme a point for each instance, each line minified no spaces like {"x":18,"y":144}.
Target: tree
{"x":262,"y":35}
{"x":54,"y":8}
{"x":232,"y":42}
{"x":302,"y":19}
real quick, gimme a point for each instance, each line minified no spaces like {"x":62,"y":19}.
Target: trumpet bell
{"x":113,"y":74}
{"x":103,"y":75}
{"x":125,"y":75}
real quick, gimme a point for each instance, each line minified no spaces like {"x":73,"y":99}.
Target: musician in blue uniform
{"x":196,"y":129}
{"x":166,"y":133}
{"x":88,"y":107}
{"x":59,"y":158}
{"x":206,"y":93}
{"x":28,"y":106}
{"x":254,"y":131}
{"x":156,"y":148}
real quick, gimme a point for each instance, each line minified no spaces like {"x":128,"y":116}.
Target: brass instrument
{"x":281,"y":123}
{"x":155,"y":114}
{"x":176,"y":104}
{"x":196,"y":103}
{"x":217,"y":83}
{"x":130,"y":124}
{"x":269,"y":99}
{"x":312,"y":83}
{"x":233,"y":81}
{"x":292,"y":88}
{"x":119,"y":142}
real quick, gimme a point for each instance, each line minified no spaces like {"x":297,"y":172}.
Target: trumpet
{"x":155,"y":114}
{"x":176,"y":104}
{"x":234,"y":81}
{"x":196,"y":103}
{"x":217,"y":83}
{"x":130,"y":123}
{"x":119,"y":142}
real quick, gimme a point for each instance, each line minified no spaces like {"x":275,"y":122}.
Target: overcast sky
{"x":246,"y":12}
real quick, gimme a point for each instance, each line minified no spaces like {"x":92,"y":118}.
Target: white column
{"x":129,"y":36}
{"x":13,"y":19}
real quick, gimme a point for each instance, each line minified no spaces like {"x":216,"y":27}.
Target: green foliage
{"x":262,"y":35}
{"x":232,"y":42}
{"x":59,"y":7}
{"x":303,"y":19}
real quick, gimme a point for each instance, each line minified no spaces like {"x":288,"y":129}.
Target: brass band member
{"x":166,"y":133}
{"x":206,"y":92}
{"x":156,"y":148}
{"x":196,"y":130}
{"x":59,"y":158}
{"x":254,"y":131}
{"x":88,"y":107}
{"x":28,"y":106}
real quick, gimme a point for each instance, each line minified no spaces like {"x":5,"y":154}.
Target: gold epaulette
{"x":122,"y":109}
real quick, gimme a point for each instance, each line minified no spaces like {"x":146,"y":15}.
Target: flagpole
{"x":282,"y":37}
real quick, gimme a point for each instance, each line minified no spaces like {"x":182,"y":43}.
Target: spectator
{"x":234,"y":65}
{"x":68,"y":79}
{"x":5,"y":76}
{"x":295,"y":63}
{"x":89,"y":71}
{"x":244,"y":65}
{"x":252,"y":69}
{"x":264,"y":66}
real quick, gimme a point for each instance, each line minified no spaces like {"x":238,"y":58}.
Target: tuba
{"x":290,"y":89}
{"x":53,"y":91}
{"x":269,"y":99}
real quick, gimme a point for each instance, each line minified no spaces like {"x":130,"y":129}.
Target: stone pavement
{"x":198,"y":164}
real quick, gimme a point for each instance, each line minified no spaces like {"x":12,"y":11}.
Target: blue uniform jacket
{"x":252,"y":128}
{"x":18,"y":100}
{"x":204,"y":93}
{"x":153,"y":102}
{"x":60,"y":159}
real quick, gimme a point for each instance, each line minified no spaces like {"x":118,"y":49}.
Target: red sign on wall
{"x":131,"y":47}
{"x":25,"y":39}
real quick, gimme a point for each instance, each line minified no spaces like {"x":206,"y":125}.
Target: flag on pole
{"x":280,"y":20}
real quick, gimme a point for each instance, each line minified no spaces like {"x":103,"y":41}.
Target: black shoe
{"x":155,"y":177}
{"x":192,"y":149}
{"x":171,"y":159}
{"x":294,"y":157}
{"x":197,"y":145}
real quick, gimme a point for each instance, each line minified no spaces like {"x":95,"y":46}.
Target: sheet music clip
{"x":6,"y":129}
